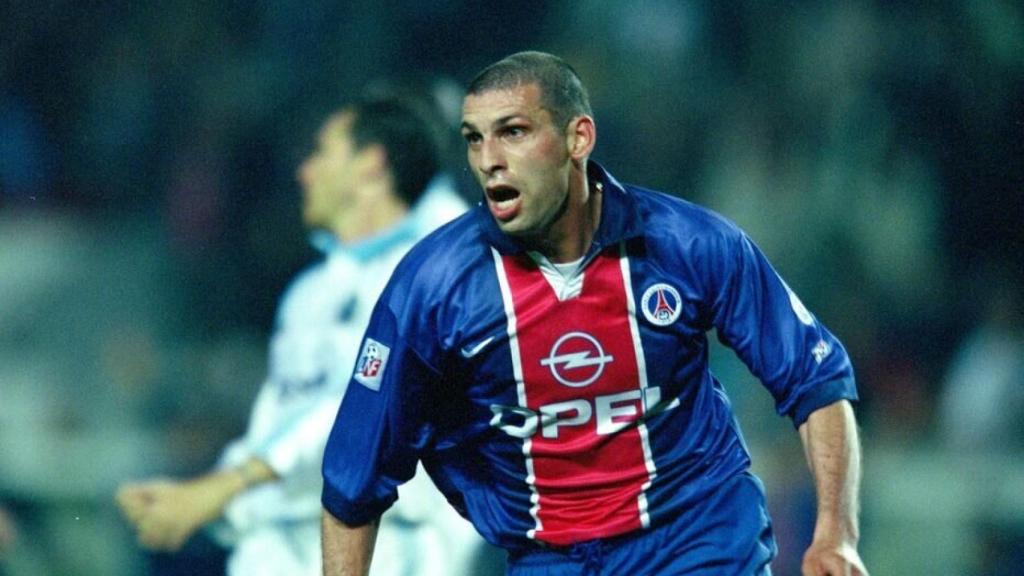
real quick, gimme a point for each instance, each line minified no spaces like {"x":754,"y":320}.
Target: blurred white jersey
{"x":274,"y":528}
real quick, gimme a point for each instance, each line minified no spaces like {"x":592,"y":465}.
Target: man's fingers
{"x":148,"y":535}
{"x":127,"y":494}
{"x":134,"y":501}
{"x":159,"y":537}
{"x":832,"y":561}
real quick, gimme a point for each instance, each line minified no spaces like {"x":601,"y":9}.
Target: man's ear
{"x":372,"y":160}
{"x":582,"y":136}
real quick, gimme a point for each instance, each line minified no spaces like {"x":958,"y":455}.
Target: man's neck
{"x":570,"y":236}
{"x":375,"y":214}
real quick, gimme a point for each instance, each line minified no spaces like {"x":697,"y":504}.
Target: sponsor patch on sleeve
{"x":371,"y":364}
{"x":820,"y":351}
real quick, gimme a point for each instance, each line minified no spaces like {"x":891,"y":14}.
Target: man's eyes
{"x":514,"y":131}
{"x":505,"y":132}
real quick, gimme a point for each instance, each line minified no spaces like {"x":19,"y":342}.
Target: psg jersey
{"x":560,"y":408}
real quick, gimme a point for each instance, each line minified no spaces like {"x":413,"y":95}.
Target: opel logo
{"x":576,"y":359}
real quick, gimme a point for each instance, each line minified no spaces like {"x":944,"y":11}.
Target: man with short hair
{"x":371,"y":189}
{"x":545,"y":357}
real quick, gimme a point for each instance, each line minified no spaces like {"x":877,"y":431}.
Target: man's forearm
{"x":833,"y":453}
{"x":347,"y":550}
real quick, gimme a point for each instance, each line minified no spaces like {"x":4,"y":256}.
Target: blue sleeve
{"x":756,"y":314}
{"x":378,"y":434}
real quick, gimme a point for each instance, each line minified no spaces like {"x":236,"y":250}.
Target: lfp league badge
{"x":371,"y":364}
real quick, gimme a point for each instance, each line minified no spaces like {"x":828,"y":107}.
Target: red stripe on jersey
{"x":580,"y":375}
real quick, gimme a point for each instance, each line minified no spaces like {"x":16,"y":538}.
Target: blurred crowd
{"x":149,"y":220}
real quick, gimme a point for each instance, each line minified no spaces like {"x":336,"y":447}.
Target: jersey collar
{"x":365,"y":249}
{"x":432,"y":201}
{"x":620,"y":217}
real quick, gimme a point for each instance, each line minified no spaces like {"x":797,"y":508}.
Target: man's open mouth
{"x":504,"y":201}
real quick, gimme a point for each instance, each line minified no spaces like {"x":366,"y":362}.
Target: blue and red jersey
{"x":562,"y":409}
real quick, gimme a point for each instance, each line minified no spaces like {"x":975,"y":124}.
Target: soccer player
{"x":371,"y":189}
{"x":545,"y":357}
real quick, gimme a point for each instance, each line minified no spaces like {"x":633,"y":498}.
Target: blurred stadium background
{"x":149,"y":219}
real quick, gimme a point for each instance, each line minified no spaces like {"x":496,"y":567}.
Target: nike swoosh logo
{"x":473,"y":351}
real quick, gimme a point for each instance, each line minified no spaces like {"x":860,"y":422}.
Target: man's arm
{"x":347,"y":550}
{"x":833,"y":453}
{"x":165,"y":513}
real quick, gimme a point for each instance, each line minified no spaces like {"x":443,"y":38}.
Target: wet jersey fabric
{"x":554,"y":409}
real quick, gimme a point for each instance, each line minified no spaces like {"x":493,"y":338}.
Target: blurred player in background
{"x":371,"y":189}
{"x":545,"y":357}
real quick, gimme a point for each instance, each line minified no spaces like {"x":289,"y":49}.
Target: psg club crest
{"x":661,"y":304}
{"x":370,"y":367}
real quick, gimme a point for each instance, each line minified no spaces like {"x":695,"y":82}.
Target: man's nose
{"x":304,"y":172}
{"x":492,"y":157}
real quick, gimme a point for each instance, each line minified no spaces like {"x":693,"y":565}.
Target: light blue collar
{"x":365,"y":249}
{"x":407,"y":230}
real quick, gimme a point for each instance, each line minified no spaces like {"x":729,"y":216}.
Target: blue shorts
{"x":729,"y":534}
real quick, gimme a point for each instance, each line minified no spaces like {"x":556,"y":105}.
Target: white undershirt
{"x":565,"y":278}
{"x":567,"y":269}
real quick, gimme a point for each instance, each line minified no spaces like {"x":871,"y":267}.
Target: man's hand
{"x":165,"y":513}
{"x":827,"y":559}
